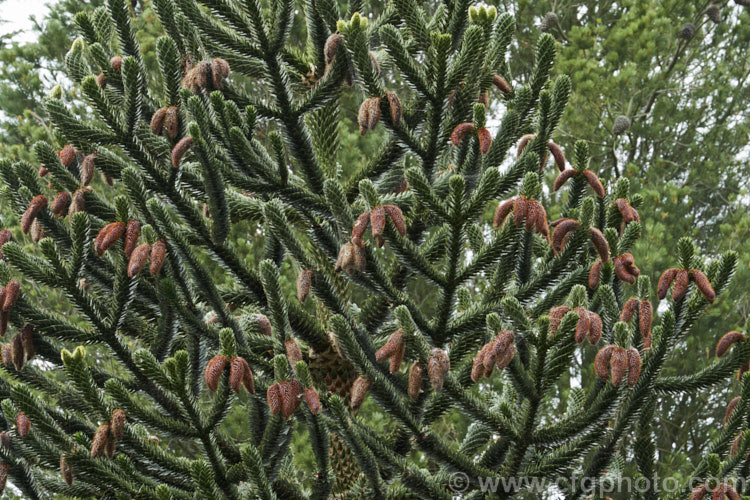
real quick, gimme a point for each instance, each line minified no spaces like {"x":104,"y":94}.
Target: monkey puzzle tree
{"x":227,"y":185}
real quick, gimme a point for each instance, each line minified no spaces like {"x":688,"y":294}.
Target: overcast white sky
{"x":16,"y":13}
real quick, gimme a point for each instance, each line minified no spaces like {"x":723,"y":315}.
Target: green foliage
{"x":218,"y":363}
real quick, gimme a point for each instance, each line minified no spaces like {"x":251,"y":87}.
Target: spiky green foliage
{"x":255,"y":156}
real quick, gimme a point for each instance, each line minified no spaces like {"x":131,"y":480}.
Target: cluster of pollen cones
{"x":240,"y":374}
{"x":138,"y":255}
{"x":498,"y":353}
{"x":720,"y":491}
{"x":284,"y":398}
{"x":352,"y":255}
{"x":612,"y":362}
{"x":524,"y":209}
{"x":681,"y":279}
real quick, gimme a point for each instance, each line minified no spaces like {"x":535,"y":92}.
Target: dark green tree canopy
{"x":244,"y":272}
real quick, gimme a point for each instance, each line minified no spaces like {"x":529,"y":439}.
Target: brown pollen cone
{"x":293,"y":352}
{"x":520,"y":210}
{"x":435,"y":374}
{"x":541,"y":226}
{"x":665,"y":281}
{"x":618,"y":365}
{"x":397,"y":358}
{"x":358,"y":392}
{"x":557,"y":154}
{"x":4,"y":318}
{"x":397,"y":217}
{"x":289,"y":398}
{"x":117,"y":424}
{"x":645,"y":317}
{"x":23,"y":425}
{"x":158,"y":255}
{"x":214,"y":369}
{"x":7,"y":355}
{"x":501,"y":84}
{"x":273,"y":396}
{"x":595,"y":274}
{"x":66,"y":470}
{"x":180,"y":149}
{"x":17,"y":352}
{"x":100,"y":441}
{"x":556,"y":315}
{"x":703,"y":285}
{"x":563,"y":177}
{"x":312,"y":400}
{"x":304,"y":282}
{"x":628,"y":213}
{"x":522,"y":143}
{"x":595,"y":332}
{"x":502,"y":211}
{"x":531,"y":214}
{"x":485,"y":140}
{"x":561,"y":231}
{"x":236,"y":374}
{"x":60,"y":204}
{"x":594,"y":182}
{"x":583,"y":326}
{"x":5,"y":237}
{"x":247,"y":376}
{"x":634,"y":366}
{"x":28,"y":217}
{"x":621,"y":271}
{"x":132,"y":233}
{"x":78,"y":203}
{"x":264,"y":324}
{"x":726,"y":341}
{"x":629,"y":310}
{"x":67,"y":155}
{"x":415,"y":380}
{"x":369,"y":114}
{"x":602,"y":360}
{"x":437,"y":365}
{"x":699,"y":493}
{"x":138,"y":259}
{"x":394,"y":106}
{"x":681,"y":282}
{"x":377,"y":220}
{"x":4,"y":469}
{"x":730,"y":409}
{"x":172,"y":121}
{"x":360,"y":225}
{"x":393,"y":344}
{"x":12,"y":291}
{"x":600,"y":244}
{"x":87,"y":169}
{"x":460,"y":131}
{"x":27,"y":339}
{"x":157,"y":121}
{"x":477,"y":368}
{"x":108,"y":236}
{"x":330,"y":48}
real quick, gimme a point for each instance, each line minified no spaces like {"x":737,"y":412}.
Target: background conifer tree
{"x":679,"y":78}
{"x":244,"y":271}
